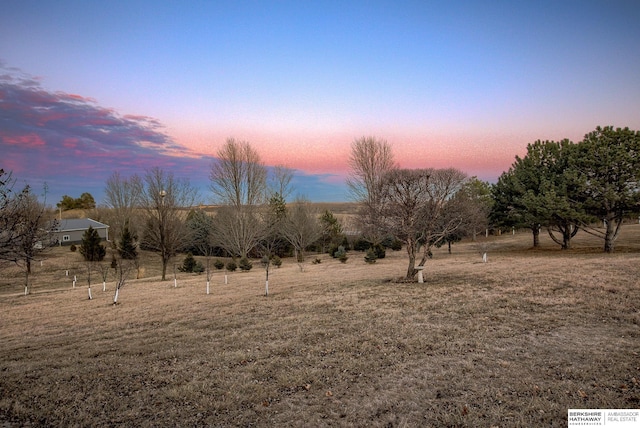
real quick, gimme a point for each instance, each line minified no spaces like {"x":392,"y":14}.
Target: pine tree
{"x":91,"y":248}
{"x":127,"y":247}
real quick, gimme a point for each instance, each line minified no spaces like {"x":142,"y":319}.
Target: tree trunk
{"x":411,"y":251}
{"x":115,"y":298}
{"x":611,"y":234}
{"x":536,"y":236}
{"x":566,"y":237}
{"x":165,"y":262}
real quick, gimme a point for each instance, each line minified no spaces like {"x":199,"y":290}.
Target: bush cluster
{"x":191,"y":265}
{"x":232,"y":266}
{"x":245,"y":264}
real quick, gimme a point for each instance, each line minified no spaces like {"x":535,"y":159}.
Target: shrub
{"x":396,"y":245}
{"x":190,"y":264}
{"x":332,"y":250}
{"x":276,"y":261}
{"x":232,"y":266}
{"x":73,"y":248}
{"x":371,"y":256}
{"x":316,"y":261}
{"x":345,"y":243}
{"x":265,"y":261}
{"x":361,"y":244}
{"x":341,"y":254}
{"x":218,"y":264}
{"x":245,"y":265}
{"x":379,"y":250}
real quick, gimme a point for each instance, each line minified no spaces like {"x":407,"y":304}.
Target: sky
{"x":91,"y":87}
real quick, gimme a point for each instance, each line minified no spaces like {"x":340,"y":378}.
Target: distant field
{"x":512,"y":342}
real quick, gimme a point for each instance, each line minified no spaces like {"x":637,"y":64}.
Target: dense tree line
{"x":85,"y":202}
{"x":565,"y":187}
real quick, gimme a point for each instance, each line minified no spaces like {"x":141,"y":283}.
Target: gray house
{"x":70,"y":231}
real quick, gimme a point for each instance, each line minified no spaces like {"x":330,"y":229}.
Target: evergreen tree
{"x":331,"y":230}
{"x":127,"y":248}
{"x":200,"y":237}
{"x":607,"y":167}
{"x":91,"y":248}
{"x":539,"y":190}
{"x":190,"y":264}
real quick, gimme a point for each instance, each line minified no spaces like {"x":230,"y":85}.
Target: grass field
{"x":513,"y":342}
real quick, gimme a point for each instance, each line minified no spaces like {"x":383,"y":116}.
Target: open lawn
{"x":513,"y":342}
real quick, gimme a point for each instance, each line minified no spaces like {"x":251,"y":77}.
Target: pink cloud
{"x":70,"y":143}
{"x":74,"y":97}
{"x":24,"y":141}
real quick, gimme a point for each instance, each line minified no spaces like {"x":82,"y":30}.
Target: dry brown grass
{"x":513,"y":342}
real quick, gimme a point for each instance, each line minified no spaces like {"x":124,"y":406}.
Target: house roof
{"x":68,"y":225}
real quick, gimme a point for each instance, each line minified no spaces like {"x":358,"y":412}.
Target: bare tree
{"x":238,"y":177}
{"x":281,"y":181}
{"x":103,"y":268}
{"x":239,"y":182}
{"x":164,"y":199}
{"x":238,"y":231}
{"x":123,"y":196}
{"x":32,"y":231}
{"x":302,"y":227}
{"x":370,"y":160}
{"x":441,"y":215}
{"x":123,"y":270}
{"x":413,"y":205}
{"x":11,"y":215}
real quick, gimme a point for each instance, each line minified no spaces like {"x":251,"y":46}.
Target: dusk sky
{"x":91,"y":87}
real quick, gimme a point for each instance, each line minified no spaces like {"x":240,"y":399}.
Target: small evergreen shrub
{"x":190,"y":264}
{"x":73,"y":248}
{"x":371,"y":256}
{"x":276,"y":261}
{"x":345,"y":243}
{"x":265,"y":261}
{"x":379,"y":250}
{"x":396,"y":245}
{"x":332,"y":250}
{"x":361,"y":244}
{"x":218,"y":264}
{"x":232,"y":266}
{"x":341,"y":254}
{"x":245,"y":265}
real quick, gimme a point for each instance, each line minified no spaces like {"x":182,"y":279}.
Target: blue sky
{"x":465,"y":84}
